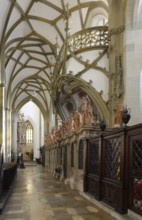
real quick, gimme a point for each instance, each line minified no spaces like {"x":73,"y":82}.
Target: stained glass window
{"x":29,"y":133}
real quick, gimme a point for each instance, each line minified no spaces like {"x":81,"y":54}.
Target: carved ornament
{"x":118,"y":30}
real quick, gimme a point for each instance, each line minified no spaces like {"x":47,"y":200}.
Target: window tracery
{"x":29,"y":133}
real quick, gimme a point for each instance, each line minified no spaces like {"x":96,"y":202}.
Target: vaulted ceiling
{"x":32,"y":33}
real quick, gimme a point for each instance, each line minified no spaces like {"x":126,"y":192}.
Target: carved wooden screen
{"x":92,"y":176}
{"x":105,"y":170}
{"x":1,"y":172}
{"x":113,"y":176}
{"x":93,"y":157}
{"x":113,"y":170}
{"x":112,"y":158}
{"x":135,"y":200}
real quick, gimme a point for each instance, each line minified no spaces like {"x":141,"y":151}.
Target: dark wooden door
{"x":135,"y":178}
{"x":92,"y":185}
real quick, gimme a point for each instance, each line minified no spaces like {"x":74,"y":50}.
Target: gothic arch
{"x":75,"y":83}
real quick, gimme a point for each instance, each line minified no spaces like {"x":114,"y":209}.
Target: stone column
{"x":115,"y":53}
{"x":53,"y":159}
{"x":56,"y":157}
{"x":14,"y":132}
{"x":2,"y":121}
{"x":8,"y":133}
{"x":74,"y":186}
{"x":68,"y":162}
{"x":49,"y":160}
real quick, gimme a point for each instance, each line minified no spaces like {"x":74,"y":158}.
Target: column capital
{"x":2,"y":84}
{"x":8,"y":109}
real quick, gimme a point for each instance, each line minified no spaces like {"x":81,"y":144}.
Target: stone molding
{"x":114,"y":31}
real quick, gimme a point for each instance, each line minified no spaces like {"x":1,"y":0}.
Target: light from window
{"x":98,"y":20}
{"x":29,"y":134}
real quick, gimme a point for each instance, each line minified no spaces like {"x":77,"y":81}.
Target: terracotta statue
{"x":64,"y":128}
{"x":49,"y":140}
{"x":118,"y":115}
{"x":60,"y":132}
{"x":53,"y":135}
{"x":77,"y":120}
{"x":86,"y":111}
{"x":71,"y":124}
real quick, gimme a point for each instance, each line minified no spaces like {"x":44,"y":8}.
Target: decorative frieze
{"x":92,"y":37}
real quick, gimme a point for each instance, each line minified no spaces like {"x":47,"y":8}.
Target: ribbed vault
{"x":33,"y":35}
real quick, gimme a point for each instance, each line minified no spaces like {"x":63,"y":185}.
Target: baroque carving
{"x":77,"y":118}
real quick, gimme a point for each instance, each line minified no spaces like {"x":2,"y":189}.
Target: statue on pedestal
{"x":118,"y":115}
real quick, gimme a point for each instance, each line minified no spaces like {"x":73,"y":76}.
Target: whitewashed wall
{"x":133,"y":60}
{"x":99,"y":80}
{"x":33,"y":114}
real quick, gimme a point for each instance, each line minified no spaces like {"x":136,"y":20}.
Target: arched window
{"x":29,"y":133}
{"x":80,"y":155}
{"x":97,"y":17}
{"x":72,"y":155}
{"x":98,"y":20}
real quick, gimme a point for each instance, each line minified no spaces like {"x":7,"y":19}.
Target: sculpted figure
{"x":53,"y":136}
{"x":86,"y":111}
{"x":71,"y":123}
{"x":78,"y":120}
{"x":49,"y":140}
{"x":118,"y":115}
{"x":64,"y":129}
{"x":60,"y":132}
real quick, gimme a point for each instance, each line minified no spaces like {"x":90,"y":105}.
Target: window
{"x":29,"y":133}
{"x":72,"y":155}
{"x":80,"y":155}
{"x":98,"y":20}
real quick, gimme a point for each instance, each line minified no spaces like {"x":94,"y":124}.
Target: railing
{"x":135,"y":169}
{"x":91,"y":37}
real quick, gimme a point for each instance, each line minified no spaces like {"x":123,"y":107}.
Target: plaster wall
{"x":32,"y":113}
{"x":132,"y":63}
{"x":98,"y":79}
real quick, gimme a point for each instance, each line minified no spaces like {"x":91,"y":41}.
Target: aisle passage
{"x":37,"y":195}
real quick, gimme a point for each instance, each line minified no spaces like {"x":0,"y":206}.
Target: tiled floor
{"x":37,"y":195}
